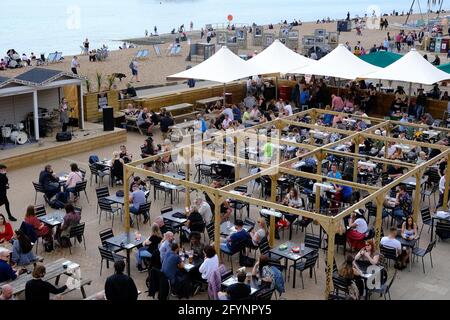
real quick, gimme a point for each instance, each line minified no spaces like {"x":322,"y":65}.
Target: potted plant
{"x":111,"y":80}
{"x":88,"y":85}
{"x":99,"y":78}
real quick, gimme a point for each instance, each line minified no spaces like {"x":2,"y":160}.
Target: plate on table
{"x":295,"y":249}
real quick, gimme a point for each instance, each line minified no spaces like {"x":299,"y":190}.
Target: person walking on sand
{"x":75,"y":65}
{"x":191,"y":26}
{"x":202,"y":34}
{"x":156,"y":30}
{"x":4,"y":186}
{"x":134,"y":70}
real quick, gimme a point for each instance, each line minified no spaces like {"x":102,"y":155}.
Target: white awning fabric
{"x":276,"y":59}
{"x":339,"y":63}
{"x":224,"y":66}
{"x":412,"y":68}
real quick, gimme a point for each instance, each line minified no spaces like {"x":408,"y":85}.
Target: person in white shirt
{"x":390,"y":241}
{"x":287,"y":110}
{"x":357,"y":230}
{"x":75,"y":65}
{"x":210,"y":264}
{"x":441,"y":191}
{"x":228,"y":111}
{"x":204,"y":209}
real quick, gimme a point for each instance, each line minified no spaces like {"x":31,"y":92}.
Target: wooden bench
{"x":84,"y":282}
{"x":185,"y":116}
{"x":203,"y":103}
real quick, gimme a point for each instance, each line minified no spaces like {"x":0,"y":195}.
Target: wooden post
{"x":236,"y":154}
{"x":331,"y":231}
{"x":217,"y":221}
{"x":447,"y":184}
{"x":388,"y":133}
{"x":417,"y":196}
{"x":379,"y":219}
{"x":273,"y":198}
{"x":355,"y":160}
{"x":126,"y":190}
{"x":187,"y":200}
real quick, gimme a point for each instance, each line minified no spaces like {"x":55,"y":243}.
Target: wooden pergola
{"x":231,"y":143}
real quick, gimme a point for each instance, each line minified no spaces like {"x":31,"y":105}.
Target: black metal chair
{"x":265,"y":295}
{"x":340,"y":285}
{"x":430,"y":193}
{"x":38,"y":189}
{"x":105,"y":235}
{"x":107,"y":208}
{"x":77,"y":233}
{"x":443,"y":230}
{"x":230,"y":253}
{"x":40,"y":210}
{"x":385,"y":288}
{"x":312,"y":241}
{"x":81,"y":186}
{"x":210,"y":231}
{"x":143,"y":209}
{"x":389,"y":253}
{"x":426,"y":219}
{"x":419,"y":252}
{"x":95,"y":172}
{"x":109,"y":256}
{"x":102,"y":193}
{"x":309,"y":263}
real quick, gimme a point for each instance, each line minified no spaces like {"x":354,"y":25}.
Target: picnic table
{"x":208,"y":101}
{"x":127,"y":241}
{"x":53,"y":219}
{"x":288,"y":254}
{"x":54,"y":270}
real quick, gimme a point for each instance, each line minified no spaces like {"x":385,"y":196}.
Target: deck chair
{"x":157,"y":50}
{"x":177,"y":51}
{"x":139,"y":54}
{"x":144,"y":54}
{"x":51,"y":57}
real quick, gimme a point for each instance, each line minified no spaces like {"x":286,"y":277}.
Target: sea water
{"x":62,"y":25}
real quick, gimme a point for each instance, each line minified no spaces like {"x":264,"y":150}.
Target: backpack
{"x":131,"y":66}
{"x":93,"y":159}
{"x":56,"y":204}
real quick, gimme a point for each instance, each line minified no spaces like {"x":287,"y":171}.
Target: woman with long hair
{"x":149,"y":246}
{"x":40,"y":228}
{"x":409,"y":229}
{"x":269,"y":274}
{"x":350,"y":272}
{"x":6,"y":231}
{"x":368,"y":255}
{"x":260,"y":233}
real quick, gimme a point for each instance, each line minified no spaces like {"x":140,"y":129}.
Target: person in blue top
{"x":6,"y":271}
{"x":233,"y":241}
{"x":304,"y":97}
{"x":346,"y":191}
{"x":237,"y":113}
{"x":334,"y":173}
{"x":172,"y":265}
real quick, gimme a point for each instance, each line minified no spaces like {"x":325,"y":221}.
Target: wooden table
{"x":54,"y":270}
{"x":178,"y":107}
{"x":53,"y":219}
{"x":412,"y":181}
{"x":126,"y":241}
{"x":208,"y":101}
{"x":287,"y":254}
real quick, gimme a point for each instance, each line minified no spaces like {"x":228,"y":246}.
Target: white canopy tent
{"x":276,"y":59}
{"x":412,"y":68}
{"x":339,"y":63}
{"x":224,"y":66}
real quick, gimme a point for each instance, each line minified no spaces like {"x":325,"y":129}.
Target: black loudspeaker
{"x":63,"y":136}
{"x":108,"y":119}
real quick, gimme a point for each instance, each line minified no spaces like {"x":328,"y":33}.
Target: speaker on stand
{"x":108,"y":119}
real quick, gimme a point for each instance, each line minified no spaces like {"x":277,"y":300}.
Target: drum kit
{"x":15,"y":133}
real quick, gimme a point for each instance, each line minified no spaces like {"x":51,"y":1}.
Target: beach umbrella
{"x":411,"y":68}
{"x":339,"y":63}
{"x":381,"y":59}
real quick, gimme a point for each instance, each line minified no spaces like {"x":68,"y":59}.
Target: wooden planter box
{"x":90,"y":101}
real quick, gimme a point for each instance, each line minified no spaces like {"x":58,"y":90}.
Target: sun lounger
{"x":142,"y":54}
{"x":174,"y":50}
{"x":157,"y":50}
{"x":54,"y":57}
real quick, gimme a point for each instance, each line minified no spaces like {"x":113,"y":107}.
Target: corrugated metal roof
{"x":38,"y":75}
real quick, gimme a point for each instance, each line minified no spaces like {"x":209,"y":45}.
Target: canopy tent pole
{"x":409,"y":94}
{"x":276,"y":87}
{"x":36,"y":115}
{"x":224,"y":92}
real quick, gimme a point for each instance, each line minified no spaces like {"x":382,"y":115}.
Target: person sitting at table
{"x":400,"y":96}
{"x":172,"y":266}
{"x":204,"y":209}
{"x":166,"y":159}
{"x":6,"y":231}
{"x":194,"y":223}
{"x":71,"y":218}
{"x":137,"y":198}
{"x":269,"y":274}
{"x":125,"y":155}
{"x":73,"y":178}
{"x":210,"y":264}
{"x":22,"y":254}
{"x":237,"y":291}
{"x":334,"y":173}
{"x":150,"y":245}
{"x":409,"y":229}
{"x":120,"y":287}
{"x":394,"y":171}
{"x":255,"y":113}
{"x":138,"y":181}
{"x":117,"y":168}
{"x":345,"y":192}
{"x":7,"y":273}
{"x":148,"y":149}
{"x":397,"y":155}
{"x":225,"y":211}
{"x":260,"y":232}
{"x":7,"y":293}
{"x":49,"y":181}
{"x":368,"y":255}
{"x":236,"y":239}
{"x":195,"y":240}
{"x":40,"y":228}
{"x":165,"y":245}
{"x":293,"y":199}
{"x":37,"y":289}
{"x":226,"y":121}
{"x":390,"y":241}
{"x":165,"y":124}
{"x":403,"y":203}
{"x":144,"y":122}
{"x":422,"y":158}
{"x":357,"y":230}
{"x":350,"y":272}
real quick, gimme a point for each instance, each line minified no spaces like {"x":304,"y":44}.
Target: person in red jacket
{"x":6,"y":231}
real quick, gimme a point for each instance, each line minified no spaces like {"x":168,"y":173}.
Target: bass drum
{"x":6,"y":132}
{"x":22,"y":138}
{"x":13,"y":136}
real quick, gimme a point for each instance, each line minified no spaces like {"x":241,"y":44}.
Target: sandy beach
{"x":153,"y":71}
